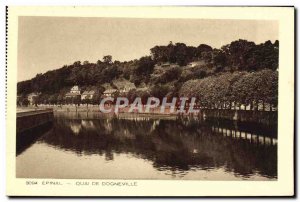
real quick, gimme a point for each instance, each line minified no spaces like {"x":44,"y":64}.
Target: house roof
{"x":110,"y":91}
{"x":75,"y":88}
{"x":72,"y":94}
{"x":91,"y":92}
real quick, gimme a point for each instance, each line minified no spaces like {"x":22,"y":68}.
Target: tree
{"x":145,"y":66}
{"x":68,"y":100}
{"x":170,"y":75}
{"x":131,"y":95}
{"x":144,"y":95}
{"x":160,"y":91}
{"x":87,"y":100}
{"x":255,"y":87}
{"x":142,"y":71}
{"x":181,"y":54}
{"x":109,"y":73}
{"x":53,"y":99}
{"x":203,"y":48}
{"x":160,"y":54}
{"x":76,"y":100}
{"x":237,"y":52}
{"x":60,"y":99}
{"x":96,"y":99}
{"x":107,"y":59}
{"x":25,"y":102}
{"x":99,"y":62}
{"x":239,"y":87}
{"x":199,"y":74}
{"x":219,"y":59}
{"x":77,"y":64}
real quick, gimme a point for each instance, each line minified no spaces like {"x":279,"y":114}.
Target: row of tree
{"x":58,"y":99}
{"x":224,"y":90}
{"x":235,"y":89}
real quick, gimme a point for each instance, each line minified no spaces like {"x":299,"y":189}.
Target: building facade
{"x":87,"y":94}
{"x":109,"y":92}
{"x":74,"y":92}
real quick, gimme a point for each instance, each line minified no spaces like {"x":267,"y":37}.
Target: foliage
{"x":239,"y":87}
{"x":257,"y":86}
{"x":160,"y":91}
{"x":241,"y":71}
{"x":107,"y":59}
{"x":169,"y":75}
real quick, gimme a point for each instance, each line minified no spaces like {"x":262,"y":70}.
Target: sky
{"x":47,"y":43}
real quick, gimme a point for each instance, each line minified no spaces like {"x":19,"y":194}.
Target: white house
{"x":75,"y":91}
{"x":126,"y":89}
{"x":87,"y":94}
{"x":109,"y":92}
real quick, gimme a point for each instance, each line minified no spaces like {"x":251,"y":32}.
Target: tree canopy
{"x":238,"y":87}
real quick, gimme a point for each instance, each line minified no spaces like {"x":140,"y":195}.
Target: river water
{"x":93,"y":146}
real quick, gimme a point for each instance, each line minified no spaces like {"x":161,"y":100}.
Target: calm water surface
{"x":89,"y":145}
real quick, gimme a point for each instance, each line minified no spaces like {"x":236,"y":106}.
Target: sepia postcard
{"x":150,"y":101}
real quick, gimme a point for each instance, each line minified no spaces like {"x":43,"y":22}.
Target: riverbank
{"x":96,"y":108}
{"x":244,"y":116}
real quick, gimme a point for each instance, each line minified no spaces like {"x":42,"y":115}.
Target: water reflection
{"x":173,"y":146}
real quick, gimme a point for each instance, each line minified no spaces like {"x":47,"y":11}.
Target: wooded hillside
{"x":171,"y":70}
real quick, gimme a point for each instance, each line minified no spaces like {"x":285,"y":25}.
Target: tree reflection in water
{"x":177,"y":145}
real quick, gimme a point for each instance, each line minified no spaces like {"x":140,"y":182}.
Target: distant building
{"x":87,"y":94}
{"x":74,"y":92}
{"x":167,"y":64}
{"x":31,"y":97}
{"x":195,"y":63}
{"x":126,"y":89}
{"x":144,"y":89}
{"x":109,"y":92}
